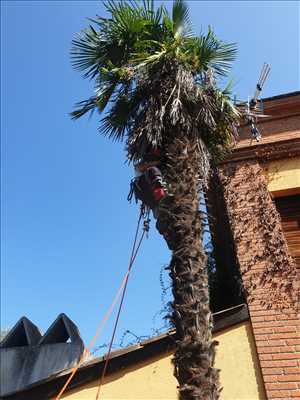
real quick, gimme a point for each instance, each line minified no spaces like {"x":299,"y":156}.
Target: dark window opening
{"x":226,"y":289}
{"x":289,"y":209}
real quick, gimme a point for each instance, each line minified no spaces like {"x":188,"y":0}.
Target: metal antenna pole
{"x":262,"y":79}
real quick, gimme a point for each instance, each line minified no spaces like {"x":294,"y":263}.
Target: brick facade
{"x":270,"y":278}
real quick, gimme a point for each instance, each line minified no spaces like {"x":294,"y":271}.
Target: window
{"x":289,"y":210}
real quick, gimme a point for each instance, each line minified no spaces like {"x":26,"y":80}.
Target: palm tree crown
{"x":129,"y":54}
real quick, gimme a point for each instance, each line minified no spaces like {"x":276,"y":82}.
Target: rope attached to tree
{"x":133,"y":256}
{"x":121,"y":291}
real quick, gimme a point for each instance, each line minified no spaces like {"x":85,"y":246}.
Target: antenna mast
{"x":251,"y":112}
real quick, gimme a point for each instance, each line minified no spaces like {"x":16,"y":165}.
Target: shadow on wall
{"x":256,"y":365}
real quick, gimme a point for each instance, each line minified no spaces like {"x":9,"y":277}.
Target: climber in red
{"x":149,"y":187}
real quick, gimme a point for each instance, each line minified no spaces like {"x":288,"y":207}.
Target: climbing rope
{"x":134,"y":254}
{"x":120,"y":291}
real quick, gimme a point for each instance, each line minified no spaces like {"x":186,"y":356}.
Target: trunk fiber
{"x":191,"y":316}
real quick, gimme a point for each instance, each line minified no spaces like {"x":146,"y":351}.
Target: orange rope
{"x":117,"y":318}
{"x":108,"y":313}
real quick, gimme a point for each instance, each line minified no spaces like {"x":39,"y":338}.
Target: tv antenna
{"x":254,"y":107}
{"x":262,"y":79}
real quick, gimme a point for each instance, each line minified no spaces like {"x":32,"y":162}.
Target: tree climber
{"x":149,"y":187}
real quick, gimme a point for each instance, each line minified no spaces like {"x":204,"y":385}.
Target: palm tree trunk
{"x":195,"y":350}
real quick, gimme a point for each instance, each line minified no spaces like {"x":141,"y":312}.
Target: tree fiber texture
{"x":195,"y":350}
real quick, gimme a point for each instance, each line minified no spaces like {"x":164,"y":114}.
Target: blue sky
{"x":66,"y":224}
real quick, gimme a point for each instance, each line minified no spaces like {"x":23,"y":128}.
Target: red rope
{"x":118,"y":314}
{"x":108,"y":313}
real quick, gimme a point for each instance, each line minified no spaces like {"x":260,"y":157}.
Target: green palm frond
{"x":207,"y":52}
{"x":85,"y":52}
{"x":127,"y":17}
{"x":104,"y":94}
{"x":116,"y":122}
{"x":142,"y":60}
{"x":150,"y":14}
{"x":125,"y":55}
{"x":219,"y":55}
{"x":182,"y":25}
{"x":84,"y":107}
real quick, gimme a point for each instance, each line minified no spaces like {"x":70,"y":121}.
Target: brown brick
{"x":266,"y":313}
{"x":271,"y":378}
{"x":281,"y":385}
{"x":257,"y":319}
{"x":278,"y":394}
{"x":279,"y":363}
{"x":256,"y":309}
{"x":287,"y":349}
{"x":284,"y":329}
{"x":292,"y":342}
{"x":289,"y":322}
{"x":273,"y":324}
{"x":280,"y":398}
{"x":270,"y":318}
{"x":295,"y":394}
{"x":292,"y":370}
{"x":263,"y":343}
{"x":264,"y":357}
{"x":286,"y":356}
{"x":261,"y":324}
{"x":291,"y":335}
{"x":276,"y":342}
{"x":261,"y":337}
{"x":268,"y":349}
{"x":288,"y":378}
{"x":286,"y":317}
{"x":272,"y":371}
{"x":258,"y":331}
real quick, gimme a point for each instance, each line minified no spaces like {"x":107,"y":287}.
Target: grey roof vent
{"x":24,"y":333}
{"x":62,"y":330}
{"x":27,"y":358}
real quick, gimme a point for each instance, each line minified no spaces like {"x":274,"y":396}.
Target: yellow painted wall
{"x":153,"y":379}
{"x":284,"y":176}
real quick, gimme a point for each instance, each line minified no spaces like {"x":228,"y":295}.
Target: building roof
{"x":281,"y":96}
{"x":279,"y":130}
{"x":32,"y":357}
{"x":122,"y":358}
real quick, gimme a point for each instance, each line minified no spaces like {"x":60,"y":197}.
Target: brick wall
{"x":269,"y":276}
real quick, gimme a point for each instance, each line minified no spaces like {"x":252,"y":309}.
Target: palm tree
{"x":156,"y":83}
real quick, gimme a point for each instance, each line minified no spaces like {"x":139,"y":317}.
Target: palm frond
{"x":85,"y":52}
{"x":104,"y":94}
{"x":143,"y":60}
{"x":227,"y":91}
{"x":115,"y":123}
{"x":182,"y":25}
{"x":207,"y":52}
{"x":151,"y":71}
{"x":150,"y":14}
{"x":84,"y":107}
{"x":220,"y":54}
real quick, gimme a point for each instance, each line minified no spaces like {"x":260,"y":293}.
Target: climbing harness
{"x":121,"y":292}
{"x":149,"y":187}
